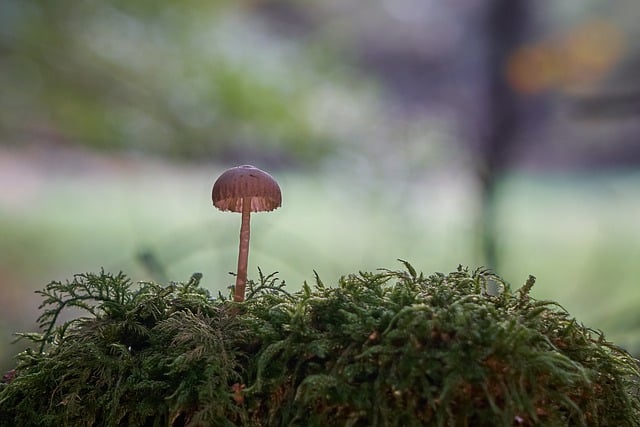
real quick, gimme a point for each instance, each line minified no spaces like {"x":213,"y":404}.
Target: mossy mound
{"x":391,"y":348}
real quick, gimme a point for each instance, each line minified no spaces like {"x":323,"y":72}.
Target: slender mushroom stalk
{"x":243,"y":252}
{"x":245,"y":189}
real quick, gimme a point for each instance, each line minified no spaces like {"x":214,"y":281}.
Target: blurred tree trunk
{"x":505,"y":25}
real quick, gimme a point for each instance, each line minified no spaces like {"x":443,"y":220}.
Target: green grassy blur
{"x":578,"y":235}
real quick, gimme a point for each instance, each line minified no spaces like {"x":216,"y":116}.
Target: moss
{"x":389,"y":348}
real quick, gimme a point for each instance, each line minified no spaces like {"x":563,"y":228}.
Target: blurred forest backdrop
{"x":495,"y":132}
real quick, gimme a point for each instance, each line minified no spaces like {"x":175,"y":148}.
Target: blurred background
{"x":503,"y":133}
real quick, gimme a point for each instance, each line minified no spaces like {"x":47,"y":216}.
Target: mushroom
{"x":245,"y":189}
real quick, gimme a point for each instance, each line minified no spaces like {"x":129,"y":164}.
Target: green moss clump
{"x":390,"y":348}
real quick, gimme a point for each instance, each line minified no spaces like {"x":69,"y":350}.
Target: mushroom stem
{"x":243,"y":253}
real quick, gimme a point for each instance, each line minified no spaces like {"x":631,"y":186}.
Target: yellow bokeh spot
{"x":590,"y":51}
{"x":581,"y":57}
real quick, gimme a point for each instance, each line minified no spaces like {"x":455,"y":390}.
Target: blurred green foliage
{"x":193,"y":79}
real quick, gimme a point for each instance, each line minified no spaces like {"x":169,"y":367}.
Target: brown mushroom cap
{"x":235,"y":184}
